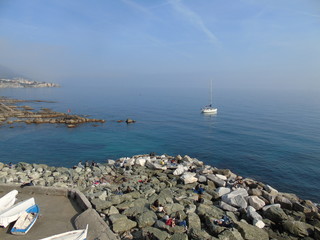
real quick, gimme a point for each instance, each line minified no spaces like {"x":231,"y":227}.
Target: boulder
{"x":223,"y":190}
{"x":255,"y":192}
{"x":100,"y":205}
{"x":189,"y":177}
{"x":284,"y":202}
{"x":269,"y":197}
{"x":194,"y":221}
{"x":224,"y":178}
{"x":199,"y":234}
{"x":217,"y":181}
{"x":179,"y":236}
{"x":146,"y":219}
{"x":123,"y":224}
{"x":157,"y":233}
{"x":256,"y":202}
{"x":202,"y":179}
{"x":230,"y":235}
{"x":255,"y":217}
{"x":250,"y":232}
{"x":275,"y":214}
{"x":227,"y":207}
{"x":265,"y":208}
{"x":213,"y":211}
{"x":299,"y":229}
{"x":236,"y":198}
{"x":180,"y":170}
{"x":270,"y":190}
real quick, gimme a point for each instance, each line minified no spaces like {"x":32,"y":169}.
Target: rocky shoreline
{"x":10,"y":114}
{"x":124,"y":193}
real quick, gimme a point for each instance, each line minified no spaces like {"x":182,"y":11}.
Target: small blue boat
{"x":26,"y":220}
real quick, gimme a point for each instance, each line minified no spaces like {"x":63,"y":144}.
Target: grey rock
{"x":236,"y":198}
{"x":179,"y":236}
{"x":159,"y":234}
{"x":200,"y":234}
{"x":254,"y":192}
{"x":123,"y":225}
{"x":194,"y":221}
{"x":256,"y":202}
{"x":223,"y":190}
{"x":297,"y":228}
{"x":284,"y":202}
{"x":217,"y":181}
{"x":250,"y":232}
{"x":174,"y":207}
{"x":100,"y":205}
{"x":213,"y":211}
{"x":230,"y":235}
{"x":146,"y":219}
{"x":134,"y":211}
{"x":227,"y":207}
{"x":275,"y":214}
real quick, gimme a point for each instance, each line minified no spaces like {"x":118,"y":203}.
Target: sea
{"x":272,"y":136}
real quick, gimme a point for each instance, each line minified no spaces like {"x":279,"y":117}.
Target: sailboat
{"x":209,"y":108}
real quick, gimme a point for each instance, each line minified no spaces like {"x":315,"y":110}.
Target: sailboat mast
{"x":211,"y":93}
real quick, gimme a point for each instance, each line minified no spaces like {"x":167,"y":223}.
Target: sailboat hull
{"x":209,"y":110}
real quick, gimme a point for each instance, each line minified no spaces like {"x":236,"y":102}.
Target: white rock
{"x":256,"y":202}
{"x":258,"y":223}
{"x":217,"y":181}
{"x":189,"y":177}
{"x":141,"y":161}
{"x":236,"y":198}
{"x":265,"y":208}
{"x":179,"y":170}
{"x":256,"y":217}
{"x":222,"y":191}
{"x":271,"y":190}
{"x":111,"y":162}
{"x":202,"y":179}
{"x":227,"y":207}
{"x":221,"y":177}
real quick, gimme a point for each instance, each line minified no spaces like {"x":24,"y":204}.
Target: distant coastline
{"x":24,"y":83}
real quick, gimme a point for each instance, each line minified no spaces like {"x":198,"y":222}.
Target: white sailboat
{"x":209,"y":108}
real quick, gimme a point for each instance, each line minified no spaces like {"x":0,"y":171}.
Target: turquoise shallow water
{"x":271,"y":136}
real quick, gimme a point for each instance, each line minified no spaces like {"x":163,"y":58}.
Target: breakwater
{"x":137,"y":196}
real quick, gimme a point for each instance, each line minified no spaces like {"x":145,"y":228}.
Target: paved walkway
{"x":57,"y":214}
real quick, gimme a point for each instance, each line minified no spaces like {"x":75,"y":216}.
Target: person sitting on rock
{"x":225,"y":221}
{"x":161,"y":209}
{"x":86,"y":164}
{"x":171,"y":222}
{"x":27,"y":184}
{"x":80,"y":164}
{"x":118,"y":191}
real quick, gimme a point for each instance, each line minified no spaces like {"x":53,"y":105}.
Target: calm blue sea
{"x":271,"y":136}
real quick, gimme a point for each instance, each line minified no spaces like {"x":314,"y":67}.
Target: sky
{"x":235,"y":43}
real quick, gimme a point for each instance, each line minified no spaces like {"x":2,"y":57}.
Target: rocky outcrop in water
{"x":137,"y":195}
{"x":10,"y":114}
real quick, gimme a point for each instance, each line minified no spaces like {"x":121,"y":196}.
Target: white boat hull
{"x":13,"y":213}
{"x":8,"y":200}
{"x":26,"y":221}
{"x":72,"y":235}
{"x":209,"y":110}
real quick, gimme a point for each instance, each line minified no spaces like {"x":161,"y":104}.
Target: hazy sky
{"x":258,"y":43}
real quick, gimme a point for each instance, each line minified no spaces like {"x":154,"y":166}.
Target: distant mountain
{"x":6,"y":72}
